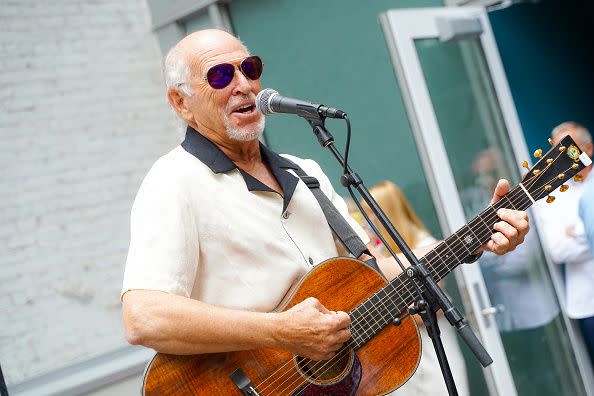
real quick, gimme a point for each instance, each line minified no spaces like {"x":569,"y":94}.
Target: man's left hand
{"x":512,"y":228}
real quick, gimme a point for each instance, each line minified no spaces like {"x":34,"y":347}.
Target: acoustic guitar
{"x":380,"y":356}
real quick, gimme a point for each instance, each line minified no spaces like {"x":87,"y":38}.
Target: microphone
{"x":270,"y":102}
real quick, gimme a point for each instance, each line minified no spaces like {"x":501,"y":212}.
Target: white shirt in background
{"x":564,"y":239}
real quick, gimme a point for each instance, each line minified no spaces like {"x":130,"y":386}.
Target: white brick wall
{"x":82,"y":117}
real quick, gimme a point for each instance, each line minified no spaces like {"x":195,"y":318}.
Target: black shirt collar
{"x":212,"y":156}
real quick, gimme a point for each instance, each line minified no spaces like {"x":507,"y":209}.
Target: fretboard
{"x":394,"y":299}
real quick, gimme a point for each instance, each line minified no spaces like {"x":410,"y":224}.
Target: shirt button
{"x":310,"y":261}
{"x":286,"y":214}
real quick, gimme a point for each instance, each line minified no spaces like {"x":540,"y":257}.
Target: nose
{"x":243,"y":84}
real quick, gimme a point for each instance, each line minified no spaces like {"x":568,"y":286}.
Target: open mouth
{"x":245,"y":109}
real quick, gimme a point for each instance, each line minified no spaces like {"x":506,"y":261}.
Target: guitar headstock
{"x":555,"y":167}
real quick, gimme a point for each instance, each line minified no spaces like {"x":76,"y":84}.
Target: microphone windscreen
{"x":263,"y":101}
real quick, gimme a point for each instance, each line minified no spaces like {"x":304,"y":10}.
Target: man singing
{"x":222,"y":227}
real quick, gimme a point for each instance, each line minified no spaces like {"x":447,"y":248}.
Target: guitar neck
{"x":456,"y":249}
{"x":391,"y":301}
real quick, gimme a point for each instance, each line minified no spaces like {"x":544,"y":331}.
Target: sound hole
{"x":326,"y":371}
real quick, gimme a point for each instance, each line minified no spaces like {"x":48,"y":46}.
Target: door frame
{"x":401,"y":27}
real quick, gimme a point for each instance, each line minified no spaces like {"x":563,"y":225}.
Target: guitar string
{"x":479,"y":217}
{"x":402,"y":285}
{"x":333,"y":363}
{"x":461,"y":246}
{"x":470,"y":230}
{"x":519,"y":202}
{"x":399,"y":287}
{"x":437,"y":268}
{"x":522,"y":196}
{"x":373,"y":329}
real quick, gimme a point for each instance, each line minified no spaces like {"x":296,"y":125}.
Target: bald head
{"x":185,"y":59}
{"x":578,"y":132}
{"x":221,"y":112}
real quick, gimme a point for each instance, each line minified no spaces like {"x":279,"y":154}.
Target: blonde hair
{"x":393,"y":202}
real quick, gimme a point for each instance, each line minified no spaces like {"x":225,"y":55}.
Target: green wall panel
{"x":334,"y":52}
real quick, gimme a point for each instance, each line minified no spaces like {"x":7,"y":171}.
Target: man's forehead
{"x":211,"y":56}
{"x":566,"y":131}
{"x":215,"y":57}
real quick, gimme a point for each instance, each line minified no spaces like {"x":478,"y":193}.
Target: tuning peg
{"x":525,"y":164}
{"x":538,"y":153}
{"x":578,"y":178}
{"x":536,"y":172}
{"x":562,"y":148}
{"x":561,"y":176}
{"x":574,"y":166}
{"x":564,"y":188}
{"x":550,"y":199}
{"x":549,"y":160}
{"x":551,"y":142}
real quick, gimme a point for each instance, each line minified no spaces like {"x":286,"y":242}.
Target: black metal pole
{"x":429,"y":317}
{"x":3,"y":388}
{"x":432,"y":297}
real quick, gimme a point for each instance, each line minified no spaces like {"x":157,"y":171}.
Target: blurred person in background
{"x":516,"y":287}
{"x":565,"y":240}
{"x":586,"y":211}
{"x":427,"y":380}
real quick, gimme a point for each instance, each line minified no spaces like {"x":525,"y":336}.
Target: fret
{"x":377,"y":314}
{"x":368,"y":316}
{"x":483,"y":214}
{"x":476,"y":226}
{"x":374,"y":313}
{"x":431,"y":255}
{"x":379,"y":310}
{"x":359,"y":323}
{"x":355,"y":324}
{"x":523,"y":200}
{"x":462,"y":244}
{"x":435,"y":268}
{"x":395,"y":298}
{"x":399,"y":292}
{"x":471,"y":238}
{"x":448,"y":256}
{"x":386,"y":303}
{"x":510,"y":202}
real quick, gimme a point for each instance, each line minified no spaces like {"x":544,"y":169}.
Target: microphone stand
{"x":431,"y":298}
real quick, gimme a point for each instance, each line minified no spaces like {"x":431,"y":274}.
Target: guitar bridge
{"x":243,"y":383}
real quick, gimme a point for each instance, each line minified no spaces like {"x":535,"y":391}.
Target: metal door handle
{"x":492,"y":311}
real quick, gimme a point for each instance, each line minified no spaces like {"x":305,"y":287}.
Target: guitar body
{"x":378,"y":367}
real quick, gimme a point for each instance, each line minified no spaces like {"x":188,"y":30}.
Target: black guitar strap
{"x":347,"y":236}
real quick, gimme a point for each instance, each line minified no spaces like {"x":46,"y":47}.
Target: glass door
{"x":468,"y":135}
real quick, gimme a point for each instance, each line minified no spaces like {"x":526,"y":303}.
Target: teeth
{"x":245,"y":107}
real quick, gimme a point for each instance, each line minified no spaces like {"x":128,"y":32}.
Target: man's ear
{"x":178,"y":101}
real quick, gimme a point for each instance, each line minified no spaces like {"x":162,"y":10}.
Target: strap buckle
{"x":310,"y":181}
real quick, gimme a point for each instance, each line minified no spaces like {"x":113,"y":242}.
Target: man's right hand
{"x":310,"y":330}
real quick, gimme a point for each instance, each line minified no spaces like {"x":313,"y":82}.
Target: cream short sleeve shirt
{"x":204,"y":229}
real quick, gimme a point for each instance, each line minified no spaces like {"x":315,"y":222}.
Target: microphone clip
{"x":324,"y":137}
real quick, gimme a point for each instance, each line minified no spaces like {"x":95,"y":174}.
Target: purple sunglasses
{"x":219,"y":76}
